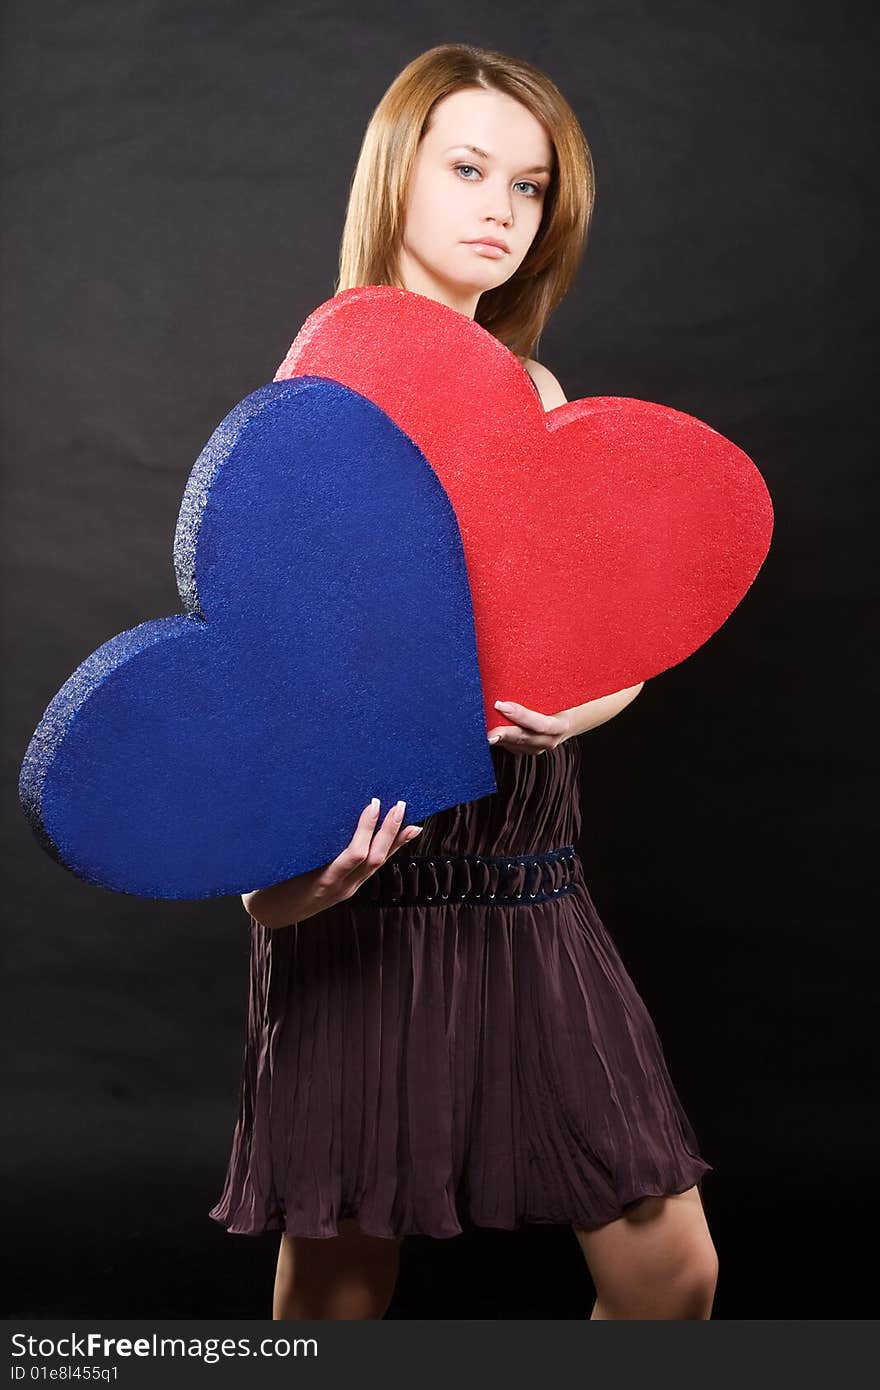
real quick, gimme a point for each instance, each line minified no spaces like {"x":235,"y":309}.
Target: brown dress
{"x":458,"y":1041}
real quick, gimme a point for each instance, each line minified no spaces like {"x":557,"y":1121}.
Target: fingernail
{"x":414,"y":831}
{"x":399,"y":808}
{"x":374,"y":804}
{"x":502,"y":704}
{"x":494,"y":738}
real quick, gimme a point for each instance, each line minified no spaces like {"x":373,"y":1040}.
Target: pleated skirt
{"x":416,"y":1064}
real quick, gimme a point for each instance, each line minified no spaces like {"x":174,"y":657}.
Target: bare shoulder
{"x":550,"y":391}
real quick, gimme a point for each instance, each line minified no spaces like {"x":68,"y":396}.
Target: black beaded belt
{"x":502,"y":880}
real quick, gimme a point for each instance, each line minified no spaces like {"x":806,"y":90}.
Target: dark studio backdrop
{"x":174,"y":181}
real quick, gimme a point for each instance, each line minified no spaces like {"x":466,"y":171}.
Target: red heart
{"x":605,"y":540}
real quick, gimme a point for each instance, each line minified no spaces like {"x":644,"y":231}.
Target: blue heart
{"x":327,"y":654}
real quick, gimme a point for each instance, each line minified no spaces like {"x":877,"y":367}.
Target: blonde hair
{"x":516,"y":311}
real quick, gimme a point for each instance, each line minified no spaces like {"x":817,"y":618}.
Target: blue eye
{"x":521,"y":183}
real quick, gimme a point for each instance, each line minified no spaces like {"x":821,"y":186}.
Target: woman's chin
{"x":477,"y":282}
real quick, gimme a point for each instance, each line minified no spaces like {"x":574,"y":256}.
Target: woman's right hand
{"x":314,"y":891}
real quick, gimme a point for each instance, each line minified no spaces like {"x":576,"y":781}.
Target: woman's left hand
{"x":530,"y":732}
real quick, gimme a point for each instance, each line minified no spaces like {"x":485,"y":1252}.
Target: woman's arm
{"x":550,"y":391}
{"x":594,"y":712}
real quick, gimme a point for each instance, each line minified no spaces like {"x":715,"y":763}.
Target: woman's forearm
{"x":282,"y":903}
{"x":595,"y":712}
{"x":265,"y":905}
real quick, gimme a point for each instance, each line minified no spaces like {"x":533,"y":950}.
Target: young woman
{"x":445,"y":1028}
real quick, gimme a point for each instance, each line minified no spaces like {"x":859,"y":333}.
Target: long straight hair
{"x":516,"y":311}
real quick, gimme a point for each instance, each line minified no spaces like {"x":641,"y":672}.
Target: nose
{"x":499,"y":206}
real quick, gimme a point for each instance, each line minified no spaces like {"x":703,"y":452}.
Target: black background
{"x":174,"y":180}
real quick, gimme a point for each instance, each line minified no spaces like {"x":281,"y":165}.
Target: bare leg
{"x":345,"y":1277}
{"x":656,"y":1261}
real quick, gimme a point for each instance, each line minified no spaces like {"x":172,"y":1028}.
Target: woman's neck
{"x":416,"y":278}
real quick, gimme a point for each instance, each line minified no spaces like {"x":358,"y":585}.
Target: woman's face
{"x":458,"y":194}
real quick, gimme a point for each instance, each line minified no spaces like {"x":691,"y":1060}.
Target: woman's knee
{"x":349,"y":1276}
{"x":694,"y":1288}
{"x":354,"y":1301}
{"x":658,"y":1257}
{"x":679,"y":1285}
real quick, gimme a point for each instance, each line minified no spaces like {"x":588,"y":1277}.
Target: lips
{"x":489,"y":241}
